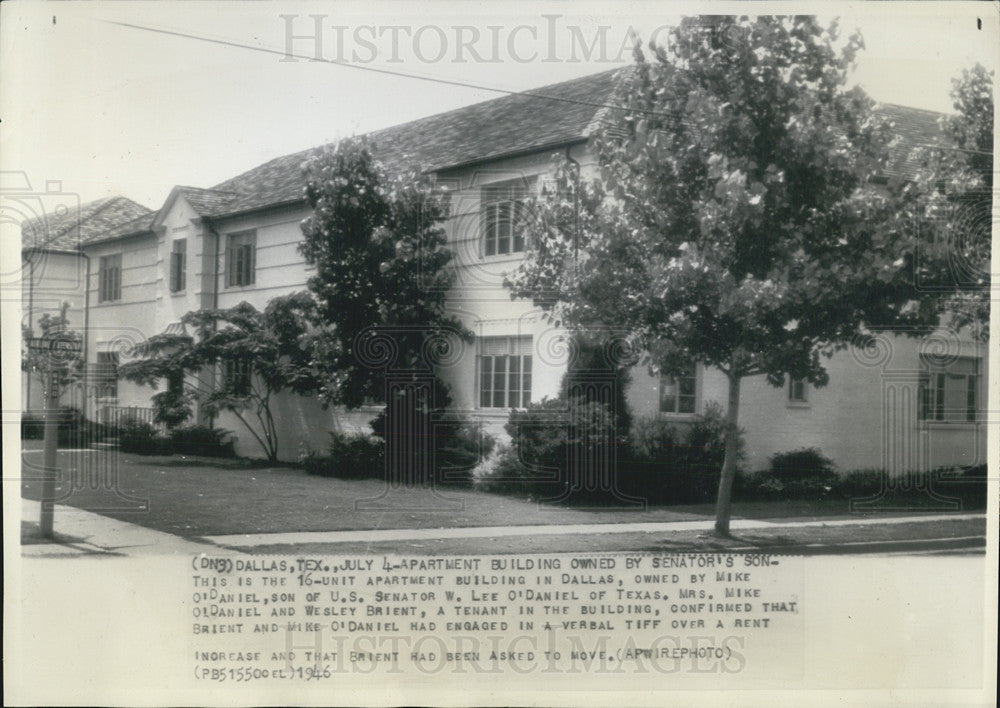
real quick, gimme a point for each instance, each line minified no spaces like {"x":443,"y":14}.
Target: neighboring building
{"x":55,"y":270}
{"x":238,"y":241}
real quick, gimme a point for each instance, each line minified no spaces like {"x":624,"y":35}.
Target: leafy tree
{"x":265,"y":353}
{"x":376,"y":240}
{"x":55,"y":350}
{"x":736,"y":221}
{"x":962,"y":204}
{"x":381,"y":283}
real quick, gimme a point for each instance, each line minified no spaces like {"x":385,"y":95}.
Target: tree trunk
{"x":724,"y":503}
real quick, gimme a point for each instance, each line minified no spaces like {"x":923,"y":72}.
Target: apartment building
{"x":238,"y":241}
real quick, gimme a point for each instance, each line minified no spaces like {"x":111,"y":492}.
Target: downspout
{"x":215,"y":273}
{"x":215,"y":290}
{"x":31,"y":315}
{"x":86,"y":337}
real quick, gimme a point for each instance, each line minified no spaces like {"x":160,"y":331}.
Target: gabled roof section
{"x":917,"y":129}
{"x":206,"y":202}
{"x":71,"y":229}
{"x":550,"y":116}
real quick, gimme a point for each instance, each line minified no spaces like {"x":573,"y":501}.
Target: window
{"x":501,"y":210}
{"x":241,"y":256}
{"x":504,"y":372}
{"x":678,"y":394}
{"x":797,"y":391}
{"x":109,"y":275}
{"x":237,"y":377}
{"x":107,"y":374}
{"x":951,"y":394}
{"x":178,"y":265}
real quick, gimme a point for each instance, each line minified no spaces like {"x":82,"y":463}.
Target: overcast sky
{"x":109,"y":109}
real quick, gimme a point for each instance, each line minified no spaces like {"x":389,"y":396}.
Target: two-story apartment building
{"x":904,"y":406}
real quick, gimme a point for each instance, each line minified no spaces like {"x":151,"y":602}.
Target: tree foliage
{"x":962,"y":206}
{"x":55,"y":350}
{"x":738,"y":219}
{"x":378,"y":246}
{"x":274,"y":347}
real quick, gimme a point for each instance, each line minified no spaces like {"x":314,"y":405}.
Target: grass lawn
{"x":195,"y":497}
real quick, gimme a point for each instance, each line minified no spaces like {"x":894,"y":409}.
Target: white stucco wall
{"x":849,"y":420}
{"x":866,"y":417}
{"x":48,"y":280}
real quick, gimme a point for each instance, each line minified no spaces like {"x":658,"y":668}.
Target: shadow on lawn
{"x":711,"y":543}
{"x":221,"y":463}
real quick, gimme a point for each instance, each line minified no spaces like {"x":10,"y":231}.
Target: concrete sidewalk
{"x":82,"y":533}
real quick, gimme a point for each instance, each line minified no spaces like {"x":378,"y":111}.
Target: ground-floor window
{"x":107,"y":374}
{"x":950,"y":394}
{"x":797,"y":391}
{"x":679,"y":394}
{"x":504,"y":365}
{"x":237,"y":377}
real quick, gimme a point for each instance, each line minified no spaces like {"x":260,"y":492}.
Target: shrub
{"x":32,"y":427}
{"x":798,"y":474}
{"x":458,"y":444}
{"x":966,"y":485}
{"x":202,"y":440}
{"x":800,"y":464}
{"x":73,"y":431}
{"x":676,"y":463}
{"x":142,"y":438}
{"x":507,"y":475}
{"x":349,"y":456}
{"x":547,"y":438}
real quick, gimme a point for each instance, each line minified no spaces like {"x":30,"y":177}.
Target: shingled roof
{"x":917,"y":129}
{"x":519,"y":123}
{"x":69,"y":229}
{"x":550,"y":116}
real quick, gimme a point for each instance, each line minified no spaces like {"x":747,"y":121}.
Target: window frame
{"x":107,"y":374}
{"x":695,"y":396}
{"x":933,"y":389}
{"x":241,"y":266}
{"x":519,"y":349}
{"x":801,"y":401}
{"x":178,"y":266}
{"x":109,"y":278}
{"x":495,"y":200}
{"x":237,"y":369}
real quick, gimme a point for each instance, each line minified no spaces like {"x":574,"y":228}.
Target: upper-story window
{"x":109,"y":276}
{"x":950,"y":394}
{"x":798,"y":391}
{"x":679,"y":394}
{"x":500,"y":214}
{"x":241,"y":259}
{"x":178,"y":265}
{"x":504,"y":372}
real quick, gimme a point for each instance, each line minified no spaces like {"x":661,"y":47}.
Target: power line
{"x":433,"y":79}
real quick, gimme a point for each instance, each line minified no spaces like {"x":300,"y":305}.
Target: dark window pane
{"x":490,"y":234}
{"x":939,"y":402}
{"x":499,"y":377}
{"x":485,"y":391}
{"x":503,"y":227}
{"x":514,"y":381}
